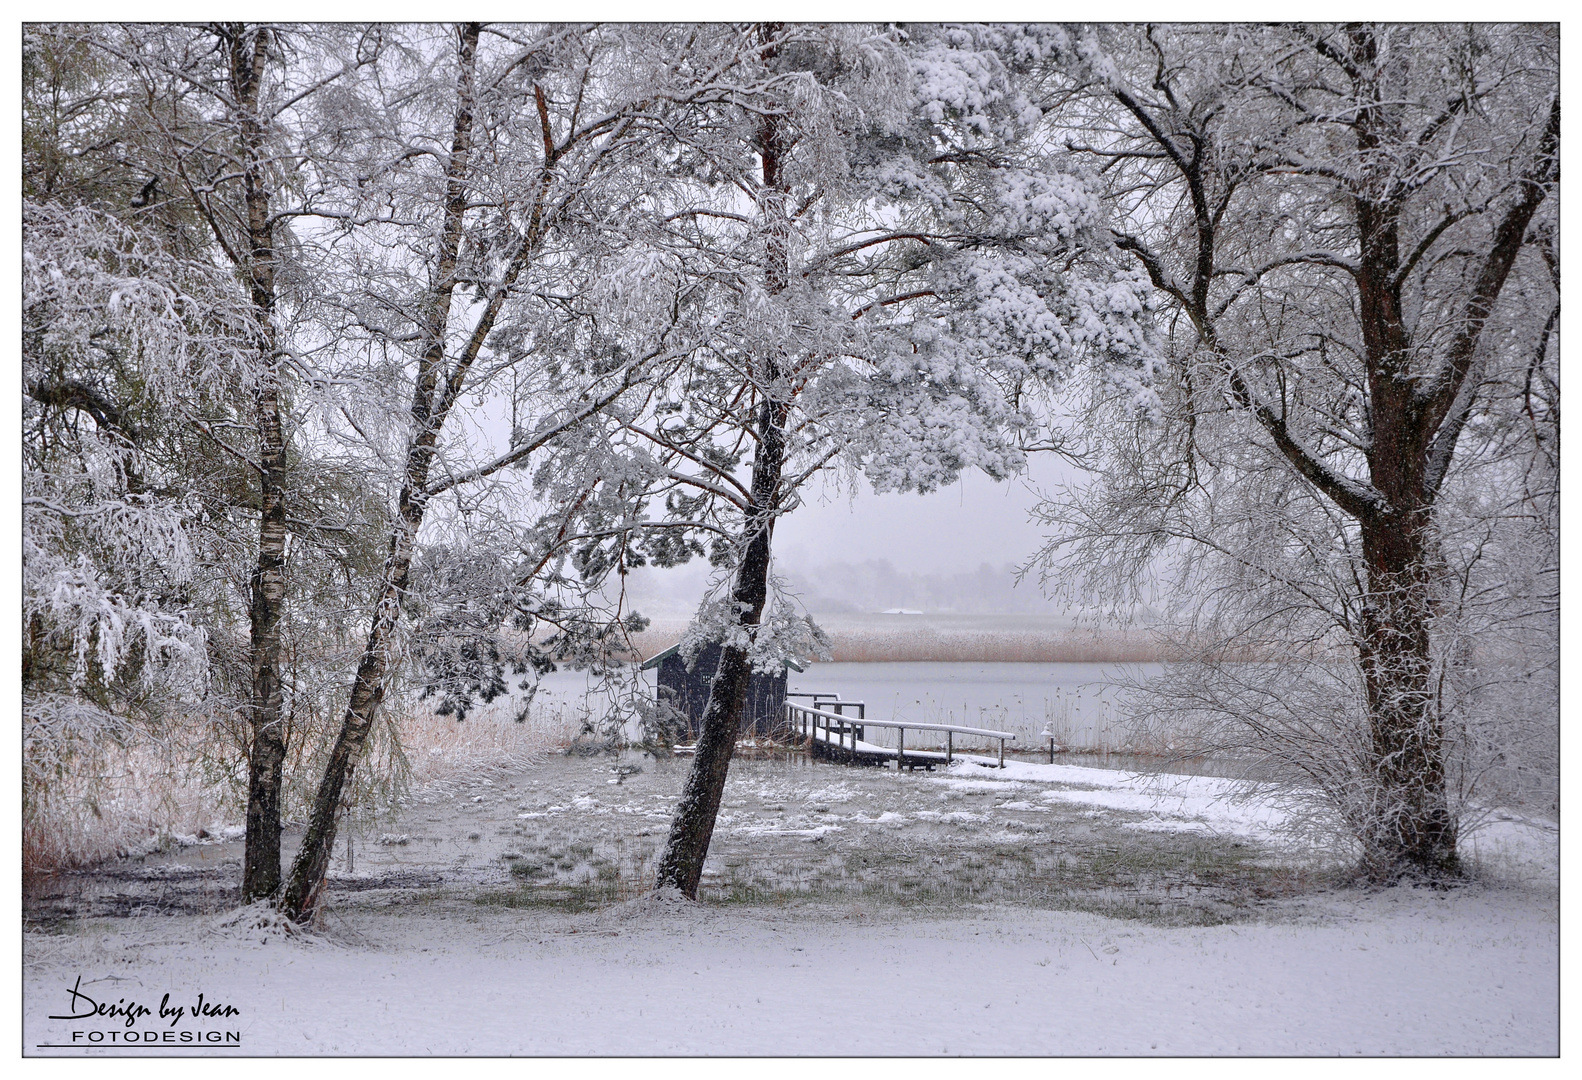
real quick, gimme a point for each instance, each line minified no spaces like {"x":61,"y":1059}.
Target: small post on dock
{"x":900,"y":748}
{"x":949,"y":740}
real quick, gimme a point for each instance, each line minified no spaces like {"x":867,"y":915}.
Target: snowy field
{"x":1471,"y":972}
{"x":1035,"y":910}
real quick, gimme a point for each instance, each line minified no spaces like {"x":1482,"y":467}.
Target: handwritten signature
{"x":132,"y":1011}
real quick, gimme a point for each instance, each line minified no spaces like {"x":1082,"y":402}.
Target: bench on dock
{"x":827,"y":728}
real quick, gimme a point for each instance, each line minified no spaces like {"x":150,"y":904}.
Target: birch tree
{"x":1352,"y":231}
{"x":287,"y":153}
{"x":178,"y":131}
{"x":479,"y":189}
{"x":217,"y":115}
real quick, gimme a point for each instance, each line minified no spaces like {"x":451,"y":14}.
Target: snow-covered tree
{"x":477,"y":180}
{"x":214,"y":117}
{"x":1352,"y":230}
{"x":879,"y":272}
{"x":120,"y":338}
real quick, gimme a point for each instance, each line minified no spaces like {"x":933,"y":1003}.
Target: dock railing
{"x":836,"y":727}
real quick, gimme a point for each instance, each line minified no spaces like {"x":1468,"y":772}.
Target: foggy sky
{"x":975,"y":527}
{"x":972,"y":522}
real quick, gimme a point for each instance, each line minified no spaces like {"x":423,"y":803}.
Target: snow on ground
{"x":1206,"y":804}
{"x":1473,"y":971}
{"x":1033,"y":910}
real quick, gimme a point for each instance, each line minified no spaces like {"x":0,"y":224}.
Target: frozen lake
{"x":1081,"y":701}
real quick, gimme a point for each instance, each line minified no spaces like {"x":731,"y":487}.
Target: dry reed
{"x":150,"y":793}
{"x":854,"y":642}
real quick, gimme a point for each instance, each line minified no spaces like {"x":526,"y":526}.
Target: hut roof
{"x":658,"y":658}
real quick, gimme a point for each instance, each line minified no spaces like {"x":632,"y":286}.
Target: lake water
{"x":1082,"y":703}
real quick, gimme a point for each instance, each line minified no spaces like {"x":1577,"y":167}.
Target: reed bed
{"x":120,"y":798}
{"x":874,"y":640}
{"x":986,"y":646}
{"x":186,"y":784}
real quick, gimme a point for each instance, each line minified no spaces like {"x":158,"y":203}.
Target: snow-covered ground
{"x":1405,"y":972}
{"x":853,"y":912}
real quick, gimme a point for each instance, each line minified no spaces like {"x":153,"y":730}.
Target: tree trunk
{"x":248,"y":54}
{"x":681,"y":865}
{"x":1412,"y":827}
{"x":261,"y":860}
{"x":1409,"y":824}
{"x":1416,"y":424}
{"x":313,"y":857}
{"x":428,"y":416}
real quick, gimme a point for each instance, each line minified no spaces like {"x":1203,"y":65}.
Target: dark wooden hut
{"x":687,"y":691}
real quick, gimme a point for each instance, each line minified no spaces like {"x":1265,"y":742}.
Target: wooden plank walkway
{"x":832,"y":734}
{"x":848,"y":751}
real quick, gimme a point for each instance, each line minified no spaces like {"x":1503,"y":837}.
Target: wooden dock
{"x":833,"y":734}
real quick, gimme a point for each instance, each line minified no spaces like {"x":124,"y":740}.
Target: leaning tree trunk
{"x":428,"y":416}
{"x":681,"y":865}
{"x":313,"y":857}
{"x":248,"y":53}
